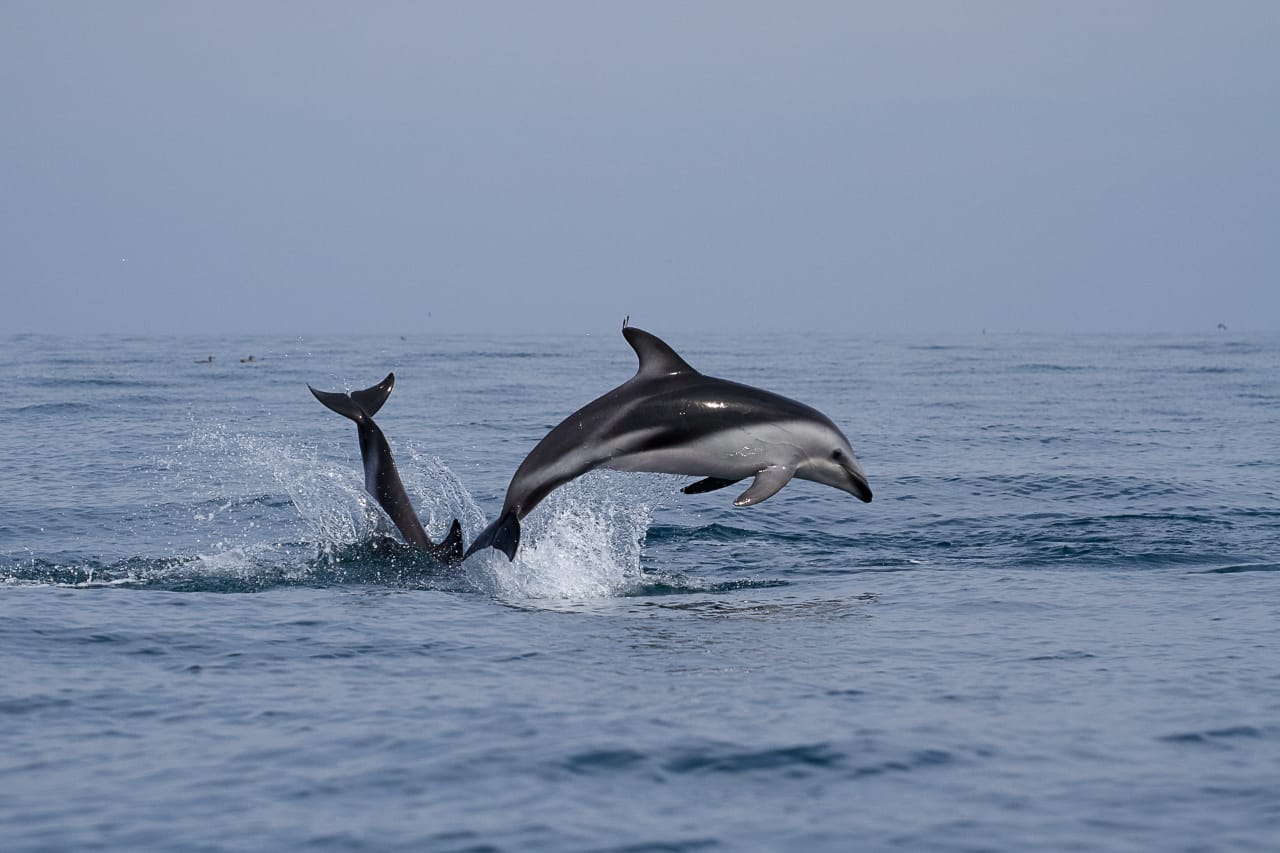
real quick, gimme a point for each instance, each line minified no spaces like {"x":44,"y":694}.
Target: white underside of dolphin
{"x":671,"y":419}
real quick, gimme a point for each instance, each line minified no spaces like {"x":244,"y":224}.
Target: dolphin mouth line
{"x":864,"y":491}
{"x":861,"y":488}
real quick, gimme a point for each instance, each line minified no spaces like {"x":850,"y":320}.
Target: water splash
{"x":336,"y":510}
{"x":585,"y":541}
{"x":246,"y":512}
{"x":229,"y":568}
{"x":215,"y":465}
{"x":249,"y":493}
{"x":439,"y":495}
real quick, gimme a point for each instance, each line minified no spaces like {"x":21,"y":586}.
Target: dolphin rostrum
{"x":671,"y":419}
{"x":381,"y":479}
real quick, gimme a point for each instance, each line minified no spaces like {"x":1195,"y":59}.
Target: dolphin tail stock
{"x":503,"y":534}
{"x":358,"y":405}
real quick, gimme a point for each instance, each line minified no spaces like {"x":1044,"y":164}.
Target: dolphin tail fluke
{"x":372,"y":398}
{"x":503,"y":534}
{"x":359,"y":404}
{"x":449,"y":549}
{"x":340,"y":403}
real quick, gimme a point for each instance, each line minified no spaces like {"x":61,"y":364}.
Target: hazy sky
{"x":308,"y":167}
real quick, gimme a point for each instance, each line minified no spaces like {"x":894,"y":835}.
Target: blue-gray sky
{"x":312,"y":167}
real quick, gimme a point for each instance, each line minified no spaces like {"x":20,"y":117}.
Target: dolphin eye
{"x":836,"y":454}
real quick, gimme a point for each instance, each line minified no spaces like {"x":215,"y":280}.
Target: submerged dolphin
{"x":380,"y":476}
{"x":671,"y":419}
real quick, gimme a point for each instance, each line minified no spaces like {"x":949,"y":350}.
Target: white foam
{"x":236,"y":562}
{"x":584,"y":542}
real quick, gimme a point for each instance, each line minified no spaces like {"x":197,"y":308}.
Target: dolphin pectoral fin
{"x":767,"y":483}
{"x":503,"y":534}
{"x":708,"y":485}
{"x":449,"y":549}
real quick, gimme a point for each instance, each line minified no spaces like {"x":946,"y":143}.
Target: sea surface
{"x":1057,"y":627}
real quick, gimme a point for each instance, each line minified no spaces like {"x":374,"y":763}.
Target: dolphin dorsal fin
{"x":656,"y":358}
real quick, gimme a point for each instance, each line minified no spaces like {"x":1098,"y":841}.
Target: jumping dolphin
{"x":671,"y":419}
{"x":380,"y":476}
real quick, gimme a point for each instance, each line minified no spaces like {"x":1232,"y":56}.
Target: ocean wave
{"x":63,"y":408}
{"x":1222,"y":736}
{"x":792,"y":761}
{"x":379,"y":562}
{"x":1240,"y":568}
{"x":1046,"y":367}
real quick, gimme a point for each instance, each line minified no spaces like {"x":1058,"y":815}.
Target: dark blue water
{"x":1057,"y":626}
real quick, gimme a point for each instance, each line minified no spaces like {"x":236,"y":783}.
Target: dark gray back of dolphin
{"x":669,"y":418}
{"x":381,"y":479}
